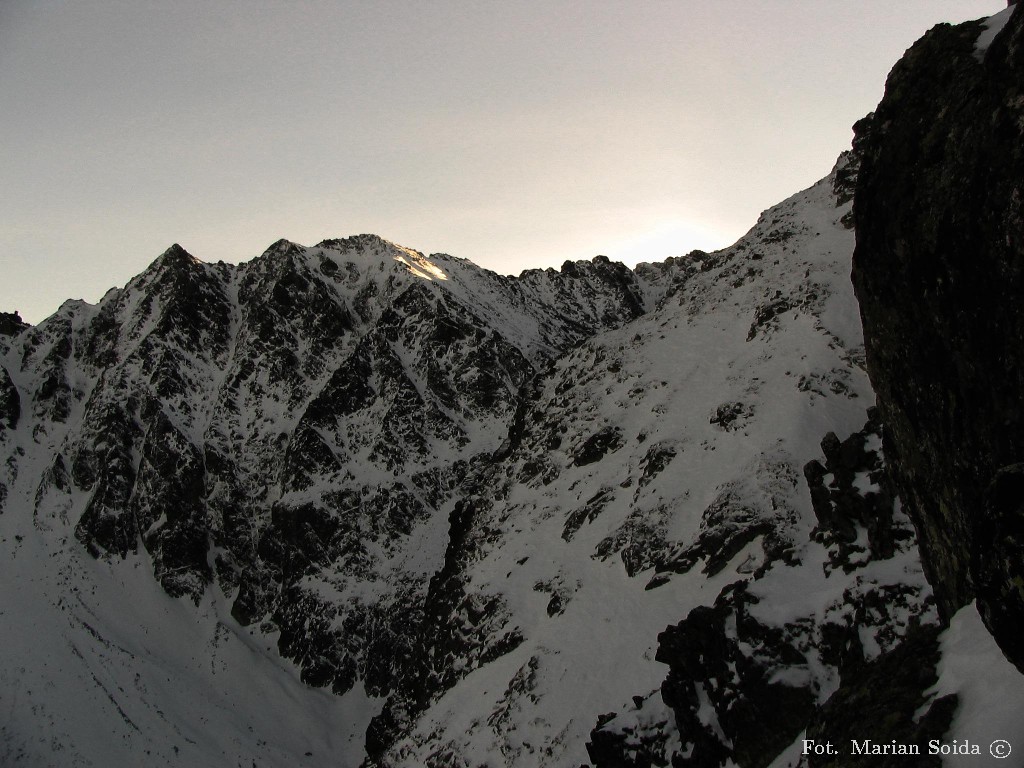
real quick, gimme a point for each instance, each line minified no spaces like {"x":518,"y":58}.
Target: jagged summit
{"x":177,"y":253}
{"x":360,"y":242}
{"x":11,"y":324}
{"x":173,"y":259}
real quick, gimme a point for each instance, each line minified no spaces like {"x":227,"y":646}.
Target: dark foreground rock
{"x":939,"y":272}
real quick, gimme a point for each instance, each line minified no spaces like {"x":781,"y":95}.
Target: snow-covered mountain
{"x":657,"y":465}
{"x":280,"y":444}
{"x":352,"y":505}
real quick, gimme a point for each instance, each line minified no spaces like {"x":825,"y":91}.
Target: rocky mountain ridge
{"x":410,"y":475}
{"x":352,"y":505}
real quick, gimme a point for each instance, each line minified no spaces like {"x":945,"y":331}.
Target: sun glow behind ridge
{"x":670,"y":238}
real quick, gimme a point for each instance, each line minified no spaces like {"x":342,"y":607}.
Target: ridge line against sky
{"x":515,"y":135}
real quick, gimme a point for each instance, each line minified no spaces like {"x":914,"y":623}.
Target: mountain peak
{"x":177,"y":254}
{"x":369,"y":244}
{"x":281,"y":247}
{"x":359,"y":242}
{"x":172,"y":260}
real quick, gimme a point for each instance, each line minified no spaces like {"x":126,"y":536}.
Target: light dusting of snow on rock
{"x":991,"y":27}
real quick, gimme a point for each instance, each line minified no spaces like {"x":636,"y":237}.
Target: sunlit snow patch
{"x":419,"y":266}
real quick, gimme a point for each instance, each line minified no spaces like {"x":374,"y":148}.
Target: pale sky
{"x":515,"y":134}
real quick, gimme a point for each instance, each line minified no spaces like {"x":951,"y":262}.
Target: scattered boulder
{"x":599,"y":444}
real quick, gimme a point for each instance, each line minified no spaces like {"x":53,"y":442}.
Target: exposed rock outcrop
{"x":747,"y":676}
{"x":939,"y":273}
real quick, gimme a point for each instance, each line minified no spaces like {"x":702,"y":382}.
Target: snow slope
{"x":404,"y":511}
{"x":714,"y":402}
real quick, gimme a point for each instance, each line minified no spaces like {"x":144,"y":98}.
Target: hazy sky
{"x":516,"y":134}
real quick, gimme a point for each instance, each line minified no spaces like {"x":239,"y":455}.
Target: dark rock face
{"x":896,"y":682}
{"x":939,"y":273}
{"x":169,"y":509}
{"x":106,"y":468}
{"x":757,"y":716}
{"x":597,"y":445}
{"x":10,"y":401}
{"x":850,"y":490}
{"x":11,"y":324}
{"x":997,"y":564}
{"x":459,"y":630}
{"x":739,"y":686}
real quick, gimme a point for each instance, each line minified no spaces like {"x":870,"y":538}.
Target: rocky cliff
{"x":939,"y":274}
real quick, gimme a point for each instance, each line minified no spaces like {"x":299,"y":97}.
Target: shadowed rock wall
{"x":939,"y":273}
